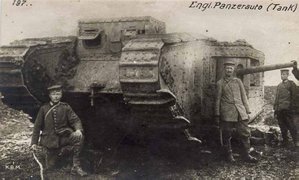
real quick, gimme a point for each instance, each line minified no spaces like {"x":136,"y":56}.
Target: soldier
{"x":295,"y":70}
{"x":284,"y":106}
{"x":232,"y":111}
{"x":295,"y":104}
{"x":60,"y":127}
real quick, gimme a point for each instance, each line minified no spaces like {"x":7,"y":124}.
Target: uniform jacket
{"x":295,"y":99}
{"x":231,"y":100}
{"x":285,"y":96}
{"x":54,"y":121}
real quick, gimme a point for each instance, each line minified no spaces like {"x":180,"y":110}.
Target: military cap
{"x":54,"y":87}
{"x":229,"y":62}
{"x":284,"y":70}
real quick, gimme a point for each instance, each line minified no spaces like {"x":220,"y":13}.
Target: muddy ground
{"x":150,"y":160}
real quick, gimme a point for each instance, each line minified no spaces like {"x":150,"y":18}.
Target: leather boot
{"x":50,"y":160}
{"x":230,"y":157}
{"x":228,"y":150}
{"x":285,"y":139}
{"x":246,"y":149}
{"x":76,"y":169}
{"x":248,"y":158}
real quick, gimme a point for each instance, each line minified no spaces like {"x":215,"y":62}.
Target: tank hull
{"x":168,"y":78}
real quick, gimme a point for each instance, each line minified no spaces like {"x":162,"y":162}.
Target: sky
{"x":275,"y":33}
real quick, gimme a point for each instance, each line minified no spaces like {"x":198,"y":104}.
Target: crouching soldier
{"x":60,"y":127}
{"x":284,"y":106}
{"x":232,"y":112}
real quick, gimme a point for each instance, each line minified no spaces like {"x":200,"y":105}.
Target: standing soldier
{"x":60,"y":127}
{"x":284,"y":106}
{"x":232,"y":111}
{"x":296,"y":104}
{"x":295,"y":70}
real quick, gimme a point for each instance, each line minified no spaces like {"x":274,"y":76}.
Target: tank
{"x":124,"y":73}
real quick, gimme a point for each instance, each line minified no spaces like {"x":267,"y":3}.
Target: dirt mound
{"x":15,"y":135}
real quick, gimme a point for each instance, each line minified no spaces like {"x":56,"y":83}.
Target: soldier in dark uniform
{"x":60,"y":127}
{"x":295,"y":71}
{"x":295,"y":112}
{"x":232,"y":111}
{"x":284,"y":106}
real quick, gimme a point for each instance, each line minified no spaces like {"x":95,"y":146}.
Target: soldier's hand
{"x":33,"y":147}
{"x":77,"y":135}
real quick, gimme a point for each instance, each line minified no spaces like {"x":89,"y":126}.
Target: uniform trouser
{"x":242,"y":131}
{"x":286,"y":123}
{"x":65,"y":141}
{"x":295,"y":118}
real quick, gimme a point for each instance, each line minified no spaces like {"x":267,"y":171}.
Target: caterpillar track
{"x":25,"y":71}
{"x":144,"y":89}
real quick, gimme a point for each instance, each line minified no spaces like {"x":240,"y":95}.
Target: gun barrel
{"x":265,"y":68}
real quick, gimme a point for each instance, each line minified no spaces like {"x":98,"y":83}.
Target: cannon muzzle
{"x":257,"y":69}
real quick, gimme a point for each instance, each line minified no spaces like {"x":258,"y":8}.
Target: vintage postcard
{"x":170,"y":89}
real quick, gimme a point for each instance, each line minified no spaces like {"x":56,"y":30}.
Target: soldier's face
{"x":229,"y":70}
{"x":55,"y":96}
{"x":284,"y":76}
